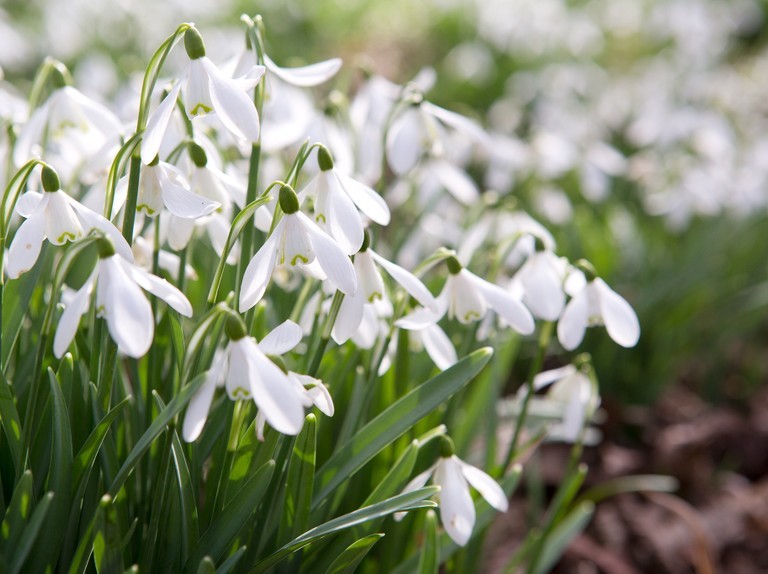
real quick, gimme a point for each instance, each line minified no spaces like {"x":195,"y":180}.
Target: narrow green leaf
{"x":401,"y":502}
{"x":227,"y":524}
{"x":9,"y":417}
{"x":27,"y":540}
{"x":177,"y":339}
{"x":187,"y":497}
{"x":429,"y":559}
{"x":348,"y":561}
{"x":154,"y":430}
{"x":85,"y":547}
{"x":638,"y":483}
{"x":106,"y":543}
{"x":562,"y":535}
{"x":231,"y":562}
{"x":300,"y":482}
{"x":206,"y":566}
{"x":17,"y":514}
{"x":396,"y":421}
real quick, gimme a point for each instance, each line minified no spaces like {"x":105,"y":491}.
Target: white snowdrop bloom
{"x":467,"y":298}
{"x":246,"y":372}
{"x":68,"y":129}
{"x":55,"y":216}
{"x":119,"y":300}
{"x":541,"y":278}
{"x":597,"y":304}
{"x":162,"y":184}
{"x":206,"y":90}
{"x":454,"y":477}
{"x":337,"y":199}
{"x":431,"y":339}
{"x":371,"y":289}
{"x":575,"y":396}
{"x":296,"y":242}
{"x":420,"y":126}
{"x":143,"y":253}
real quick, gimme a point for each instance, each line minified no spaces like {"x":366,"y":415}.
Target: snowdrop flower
{"x":246,"y":372}
{"x":371,"y":289}
{"x":55,"y":216}
{"x":162,"y":184}
{"x":296,"y":242}
{"x":454,"y":477}
{"x":541,"y":279}
{"x":144,"y":252}
{"x":597,"y":304}
{"x":120,"y":301}
{"x":467,"y":297}
{"x":207,"y":89}
{"x":337,"y":201}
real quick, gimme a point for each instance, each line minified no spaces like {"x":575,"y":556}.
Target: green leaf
{"x":206,"y":566}
{"x":300,"y":482}
{"x":637,"y":483}
{"x":227,"y":524}
{"x":9,"y":417}
{"x":401,"y":502}
{"x":27,"y":540}
{"x":177,"y":339}
{"x":562,"y":535}
{"x":85,"y":547}
{"x":396,"y":421}
{"x":429,"y":560}
{"x":231,"y":562}
{"x":17,"y":514}
{"x":106,"y":543}
{"x":154,"y":430}
{"x":188,"y":505}
{"x":16,"y":297}
{"x":347,"y":561}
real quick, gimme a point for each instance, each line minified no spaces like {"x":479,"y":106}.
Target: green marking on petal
{"x":320,"y":217}
{"x":146,"y":209}
{"x":471,"y":316}
{"x":299,"y":257}
{"x":241,"y":393}
{"x":200,"y":110}
{"x":375,"y":295}
{"x":66,"y":236}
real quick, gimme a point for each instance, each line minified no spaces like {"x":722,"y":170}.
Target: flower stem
{"x":314,"y":365}
{"x":133,"y":195}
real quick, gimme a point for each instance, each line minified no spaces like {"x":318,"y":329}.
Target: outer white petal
{"x":233,"y":106}
{"x":31,"y":135}
{"x":457,"y":511}
{"x":321,"y":398}
{"x":508,"y":308}
{"x":185,"y":204}
{"x":408,"y":280}
{"x":127,"y":311}
{"x":458,"y":122}
{"x":349,"y":318}
{"x":158,"y":287}
{"x":548,"y":377}
{"x":92,"y":220}
{"x":573,"y":321}
{"x":305,"y":76}
{"x":417,"y":482}
{"x":366,"y":199}
{"x":197,"y":411}
{"x":543,"y":288}
{"x":272,"y":391}
{"x":28,"y":203}
{"x":157,"y":125}
{"x":455,"y":180}
{"x":575,"y":413}
{"x":70,"y":318}
{"x":96,"y":114}
{"x":438,"y":346}
{"x":485,"y":485}
{"x":344,"y":222}
{"x":405,"y":141}
{"x":259,"y":272}
{"x":421,"y":318}
{"x":282,"y":338}
{"x":26,"y":245}
{"x":619,"y":317}
{"x":331,"y":258}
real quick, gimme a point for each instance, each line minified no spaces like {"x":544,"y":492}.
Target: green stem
{"x":314,"y":365}
{"x":246,"y":247}
{"x":131,"y":200}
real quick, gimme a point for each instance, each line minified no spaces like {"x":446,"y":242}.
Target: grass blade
{"x":347,"y":561}
{"x":429,"y":559}
{"x":27,"y":540}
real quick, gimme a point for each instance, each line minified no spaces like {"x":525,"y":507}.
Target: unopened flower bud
{"x":198,"y":155}
{"x":193,"y":44}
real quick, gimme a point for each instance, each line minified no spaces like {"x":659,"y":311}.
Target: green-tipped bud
{"x":289,"y":201}
{"x":50,"y":179}
{"x":454,"y":267}
{"x":278,"y":360}
{"x":539,"y":244}
{"x":324,"y":159}
{"x":105,"y":247}
{"x":366,"y":241}
{"x":198,"y":155}
{"x":235,"y":328}
{"x":447,"y":448}
{"x":193,"y":44}
{"x":587,"y":268}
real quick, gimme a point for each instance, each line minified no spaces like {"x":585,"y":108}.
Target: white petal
{"x":26,"y":245}
{"x":296,"y":248}
{"x":485,"y":485}
{"x":619,"y":317}
{"x":573,"y":321}
{"x":366,"y":199}
{"x":458,"y":122}
{"x":408,"y":280}
{"x":467,"y":304}
{"x":70,"y":318}
{"x":259,"y":272}
{"x":457,"y":511}
{"x":543,"y":288}
{"x":331,"y":258}
{"x":92,"y":220}
{"x":272,"y":391}
{"x":421,"y":318}
{"x":233,"y":106}
{"x":508,"y":308}
{"x":344,"y":222}
{"x":158,"y":287}
{"x":197,"y":411}
{"x":197,"y":97}
{"x":415,"y":483}
{"x":157,"y":125}
{"x":183,"y":203}
{"x":96,"y":115}
{"x":405,"y":141}
{"x":456,"y":181}
{"x":321,"y":398}
{"x":438,"y":347}
{"x":282,"y":338}
{"x":349,"y":318}
{"x":27,"y":144}
{"x":61,"y":223}
{"x":306,"y":76}
{"x":370,"y":284}
{"x":548,"y":377}
{"x":28,"y":203}
{"x":127,"y":311}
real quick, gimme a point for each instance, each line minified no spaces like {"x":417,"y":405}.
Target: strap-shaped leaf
{"x":300,"y":482}
{"x":17,"y":514}
{"x":31,"y":532}
{"x":347,"y":561}
{"x":9,"y":417}
{"x":429,"y":560}
{"x":562,"y":535}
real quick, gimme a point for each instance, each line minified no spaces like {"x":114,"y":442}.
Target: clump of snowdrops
{"x":231,"y":340}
